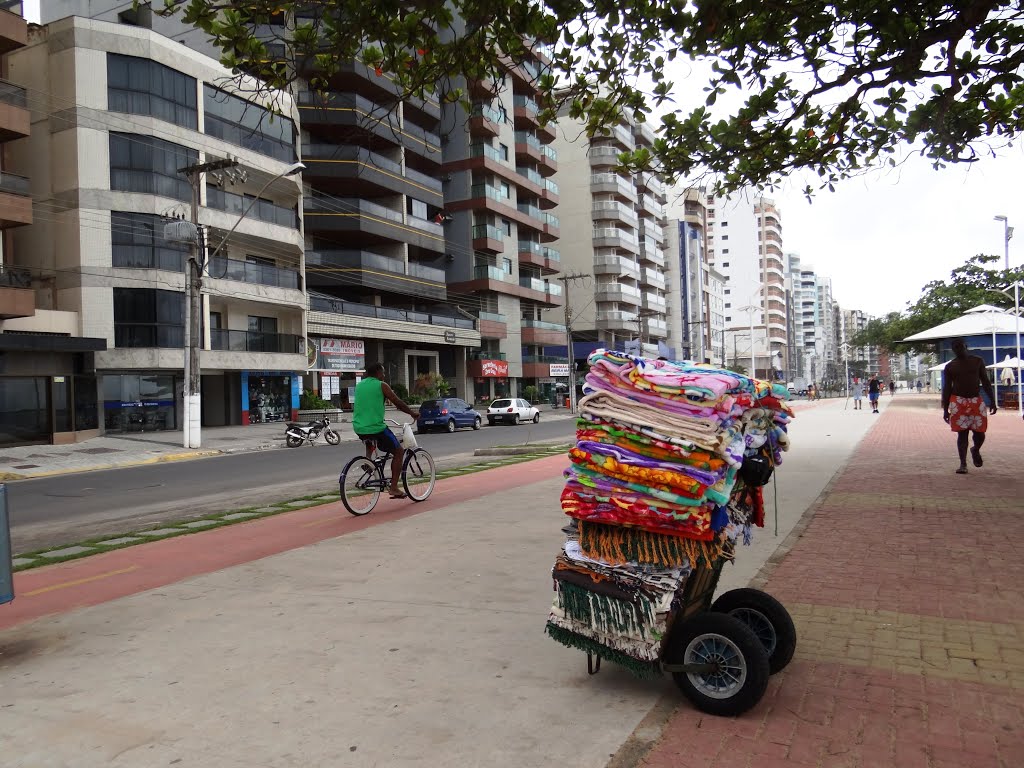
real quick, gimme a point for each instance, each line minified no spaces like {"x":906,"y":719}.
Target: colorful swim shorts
{"x":967,"y":413}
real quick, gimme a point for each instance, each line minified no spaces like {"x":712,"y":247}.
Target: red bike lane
{"x":111,"y":575}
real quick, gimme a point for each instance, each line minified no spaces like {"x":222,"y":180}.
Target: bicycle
{"x":363,"y":480}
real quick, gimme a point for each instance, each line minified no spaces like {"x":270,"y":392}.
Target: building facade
{"x":128,"y":110}
{"x":694,"y":323}
{"x":615,"y":229}
{"x":502,"y":233}
{"x":745,"y":245}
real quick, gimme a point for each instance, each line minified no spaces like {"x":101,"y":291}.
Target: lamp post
{"x":1007,"y":234}
{"x":191,"y":395}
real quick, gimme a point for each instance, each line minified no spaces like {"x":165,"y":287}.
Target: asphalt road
{"x":70,"y":508}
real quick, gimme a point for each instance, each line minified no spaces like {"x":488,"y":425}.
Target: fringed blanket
{"x":615,"y":544}
{"x":610,"y":434}
{"x":638,"y":511}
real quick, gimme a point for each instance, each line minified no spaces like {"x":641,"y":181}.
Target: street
{"x":69,"y":508}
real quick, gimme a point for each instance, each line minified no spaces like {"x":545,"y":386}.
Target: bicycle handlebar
{"x":396,"y":422}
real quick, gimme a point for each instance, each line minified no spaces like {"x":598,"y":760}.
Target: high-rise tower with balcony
{"x":614,"y":229}
{"x":745,"y":245}
{"x":502,"y":233}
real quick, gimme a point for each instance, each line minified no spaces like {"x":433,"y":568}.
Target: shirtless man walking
{"x":962,"y":406}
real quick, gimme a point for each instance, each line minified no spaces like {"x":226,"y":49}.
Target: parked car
{"x":448,"y":413}
{"x":512,"y":411}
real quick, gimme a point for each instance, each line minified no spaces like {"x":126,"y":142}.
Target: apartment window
{"x":725,"y":251}
{"x":506,"y":190}
{"x":503,"y":151}
{"x":138,"y":86}
{"x":725,"y":263}
{"x":248,"y":125}
{"x":148,"y":317}
{"x":416,"y":208}
{"x":258,"y":324}
{"x":728,"y":305}
{"x":725,"y":237}
{"x":137,"y":241}
{"x":728,"y":291}
{"x":506,"y":264}
{"x":507,"y":226}
{"x":149,"y":165}
{"x":503,"y":113}
{"x":725,"y":223}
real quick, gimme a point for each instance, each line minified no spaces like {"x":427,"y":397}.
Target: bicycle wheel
{"x":418,"y":474}
{"x":360,"y":485}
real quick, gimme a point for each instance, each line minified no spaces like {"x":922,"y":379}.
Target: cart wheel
{"x":767,"y":618}
{"x":739,"y":673}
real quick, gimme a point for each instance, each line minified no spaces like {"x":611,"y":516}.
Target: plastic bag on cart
{"x":756,"y":469}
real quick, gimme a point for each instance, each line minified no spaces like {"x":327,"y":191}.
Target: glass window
{"x":148,"y":317}
{"x":87,"y":414}
{"x":138,"y":241}
{"x":24,"y":410}
{"x":149,"y":165}
{"x":61,"y":397}
{"x":417,"y":208}
{"x":248,"y":125}
{"x":506,"y":190}
{"x":139,"y":86}
{"x":503,"y":151}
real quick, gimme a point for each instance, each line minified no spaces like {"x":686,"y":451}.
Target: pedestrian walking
{"x":874,"y":391}
{"x":892,"y":388}
{"x":920,"y":386}
{"x":858,"y":395}
{"x":964,"y":377}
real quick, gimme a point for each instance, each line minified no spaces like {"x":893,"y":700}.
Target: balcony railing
{"x":524,"y":101}
{"x":531,"y":175}
{"x":373,"y":261}
{"x":16,"y":185}
{"x":486,"y":111}
{"x":550,"y":186}
{"x":532,"y":283}
{"x":621,"y":234}
{"x":544,"y":358}
{"x":551,"y":220}
{"x":530,"y":210}
{"x":552,"y":255}
{"x":528,"y":246}
{"x":494,"y":317}
{"x":549,"y":152}
{"x":339,"y":307}
{"x":487,"y":272}
{"x":338,"y":152}
{"x":481,"y":354}
{"x":485,"y":150}
{"x":149,"y":335}
{"x":544,"y":325}
{"x":224,"y":339}
{"x":263,"y":210}
{"x":489,"y":231}
{"x":13,"y":94}
{"x":13,"y":277}
{"x":261,"y":274}
{"x":486,"y":190}
{"x":530,"y":139}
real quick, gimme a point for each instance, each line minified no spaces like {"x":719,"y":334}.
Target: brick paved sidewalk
{"x":907,"y":589}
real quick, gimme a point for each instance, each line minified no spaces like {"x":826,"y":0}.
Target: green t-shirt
{"x":368,"y":416}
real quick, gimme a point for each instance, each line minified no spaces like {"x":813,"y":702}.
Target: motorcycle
{"x":296,"y":434}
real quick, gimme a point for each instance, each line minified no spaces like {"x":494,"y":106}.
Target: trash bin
{"x":6,"y":566}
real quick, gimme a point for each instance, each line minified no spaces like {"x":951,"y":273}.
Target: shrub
{"x":310,"y":401}
{"x":531,"y":393}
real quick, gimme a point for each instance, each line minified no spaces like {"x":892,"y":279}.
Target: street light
{"x":191,"y":395}
{"x":1007,"y":234}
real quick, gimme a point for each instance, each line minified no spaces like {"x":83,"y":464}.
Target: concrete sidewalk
{"x":137,"y":448}
{"x":412,"y":636}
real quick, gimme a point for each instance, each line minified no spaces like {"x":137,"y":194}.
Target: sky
{"x":883,"y":236}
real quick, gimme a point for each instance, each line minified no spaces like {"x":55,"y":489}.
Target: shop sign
{"x":347,"y":355}
{"x":449,"y":337}
{"x":493,"y":369}
{"x":558,"y":369}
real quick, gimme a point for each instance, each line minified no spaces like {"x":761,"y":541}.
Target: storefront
{"x":140,"y":402}
{"x":490,"y":379}
{"x":270,"y":396}
{"x":335,"y":365}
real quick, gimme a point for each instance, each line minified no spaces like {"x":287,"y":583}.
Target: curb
{"x":182,"y":456}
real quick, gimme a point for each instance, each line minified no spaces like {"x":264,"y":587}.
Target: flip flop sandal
{"x":399,"y":495}
{"x":962,"y":471}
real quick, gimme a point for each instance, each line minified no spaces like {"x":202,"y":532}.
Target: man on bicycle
{"x":368,"y":421}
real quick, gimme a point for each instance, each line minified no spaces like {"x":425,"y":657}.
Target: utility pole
{"x":566,"y":279}
{"x":191,"y":397}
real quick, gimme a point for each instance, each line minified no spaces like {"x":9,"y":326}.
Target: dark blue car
{"x":448,"y":413}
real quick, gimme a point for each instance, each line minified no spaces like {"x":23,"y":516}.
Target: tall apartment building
{"x":121,"y":111}
{"x":374,"y":247}
{"x":863,"y":360}
{"x":816,"y":326}
{"x":745,"y":245}
{"x":499,"y":195}
{"x":614,"y":228}
{"x":694,"y":295}
{"x":48,"y":385}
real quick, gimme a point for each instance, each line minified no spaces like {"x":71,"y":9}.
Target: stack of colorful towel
{"x":653,"y":492}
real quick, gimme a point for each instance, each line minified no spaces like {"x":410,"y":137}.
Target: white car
{"x":511,"y":410}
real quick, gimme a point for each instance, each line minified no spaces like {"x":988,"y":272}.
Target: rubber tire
{"x":375,"y":492}
{"x":515,"y":419}
{"x":332,"y":437}
{"x":416,"y":491}
{"x":293,"y":442}
{"x":476,"y":423}
{"x":744,"y":641}
{"x":771,"y":610}
{"x":450,"y":426}
{"x":536,"y":418}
